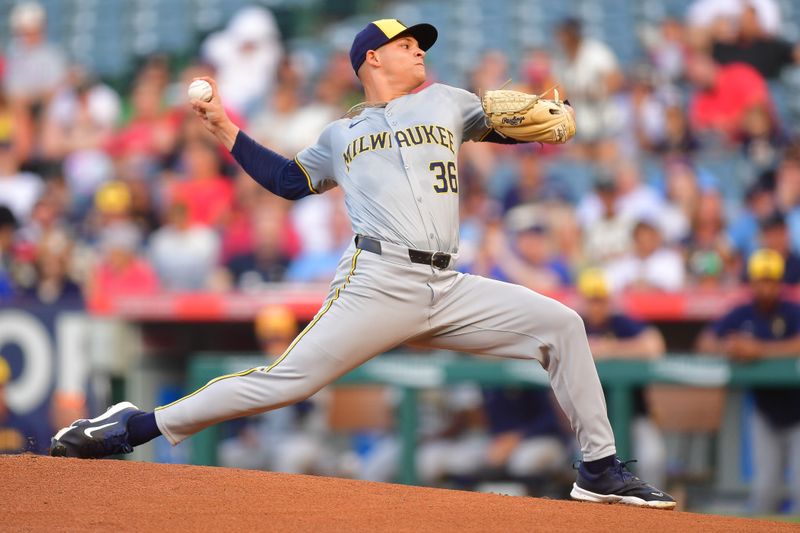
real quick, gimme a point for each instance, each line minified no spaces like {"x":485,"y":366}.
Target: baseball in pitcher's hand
{"x":213,"y":116}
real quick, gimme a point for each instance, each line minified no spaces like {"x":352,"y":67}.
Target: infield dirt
{"x":55,"y":494}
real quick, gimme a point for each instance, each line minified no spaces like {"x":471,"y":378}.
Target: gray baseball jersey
{"x":397,"y":167}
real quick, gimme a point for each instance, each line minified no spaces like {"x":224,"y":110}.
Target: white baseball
{"x":200,"y":90}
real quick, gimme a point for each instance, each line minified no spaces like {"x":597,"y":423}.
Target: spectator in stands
{"x":17,"y":434}
{"x":245,"y":55}
{"x":590,"y":73}
{"x":537,"y":70}
{"x":320,"y":264}
{"x":641,"y":110}
{"x":683,"y":196}
{"x":53,"y":285}
{"x":634,"y":199}
{"x":77,"y":125}
{"x":250,"y":198}
{"x":184,"y":255}
{"x":565,"y":235}
{"x":269,"y":258}
{"x":678,"y":139}
{"x":337,"y":87}
{"x":667,"y":50}
{"x":525,"y":436}
{"x":723,"y":95}
{"x":19,"y":190}
{"x":766,"y":327}
{"x":289,"y":123}
{"x":16,"y":128}
{"x":743,"y":230}
{"x":787,"y":193}
{"x":495,"y":433}
{"x":291,"y":439}
{"x":120,"y":271}
{"x":650,"y":265}
{"x":452,"y":433}
{"x":207,"y":195}
{"x":81,"y":116}
{"x":533,"y":183}
{"x":150,"y":132}
{"x":284,"y":104}
{"x":490,"y":73}
{"x":34,"y":68}
{"x":717,"y":20}
{"x":8,"y":228}
{"x":476,"y":211}
{"x":709,"y":258}
{"x":608,"y":237}
{"x":112,"y":203}
{"x":47,"y":218}
{"x":704,"y":13}
{"x":775,"y":236}
{"x":765,"y":52}
{"x":614,"y":335}
{"x":528,"y":259}
{"x":761,"y":138}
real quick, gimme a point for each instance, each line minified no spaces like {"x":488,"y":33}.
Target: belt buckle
{"x":433,"y":260}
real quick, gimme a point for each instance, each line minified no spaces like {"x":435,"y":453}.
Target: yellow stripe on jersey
{"x":305,"y":172}
{"x":390,"y":27}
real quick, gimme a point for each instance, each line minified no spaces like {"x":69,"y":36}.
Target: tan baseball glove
{"x":528,"y":117}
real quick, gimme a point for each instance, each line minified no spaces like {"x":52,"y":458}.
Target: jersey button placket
{"x":404,"y":155}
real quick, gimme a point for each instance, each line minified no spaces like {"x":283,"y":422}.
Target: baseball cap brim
{"x":424,"y":33}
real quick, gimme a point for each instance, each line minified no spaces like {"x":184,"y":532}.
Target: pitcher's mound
{"x":55,"y":494}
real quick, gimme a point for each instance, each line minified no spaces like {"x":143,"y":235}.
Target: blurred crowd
{"x":686,"y":164}
{"x":682,"y":166}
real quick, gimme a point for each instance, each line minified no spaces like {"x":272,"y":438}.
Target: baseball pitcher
{"x":394,"y":156}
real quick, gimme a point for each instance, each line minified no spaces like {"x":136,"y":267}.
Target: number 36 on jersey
{"x":445,"y":176}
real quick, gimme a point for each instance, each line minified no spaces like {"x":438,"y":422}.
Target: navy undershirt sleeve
{"x":272,"y":171}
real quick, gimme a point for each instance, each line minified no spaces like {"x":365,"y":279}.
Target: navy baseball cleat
{"x":617,"y":484}
{"x":97,"y":437}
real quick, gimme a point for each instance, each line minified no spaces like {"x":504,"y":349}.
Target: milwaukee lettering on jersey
{"x":413,"y":136}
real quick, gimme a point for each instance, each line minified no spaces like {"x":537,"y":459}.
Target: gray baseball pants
{"x":377,"y":302}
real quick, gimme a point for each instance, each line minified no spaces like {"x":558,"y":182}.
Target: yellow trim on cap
{"x":390,"y":27}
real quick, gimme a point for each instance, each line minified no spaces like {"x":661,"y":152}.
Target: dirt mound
{"x":54,"y":494}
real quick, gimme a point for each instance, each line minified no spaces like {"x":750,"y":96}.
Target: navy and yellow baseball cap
{"x":765,"y":264}
{"x":379,"y":32}
{"x":592,"y":284}
{"x":275,"y":321}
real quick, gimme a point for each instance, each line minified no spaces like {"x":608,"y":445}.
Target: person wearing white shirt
{"x":590,"y":73}
{"x":650,"y":265}
{"x":18,"y":190}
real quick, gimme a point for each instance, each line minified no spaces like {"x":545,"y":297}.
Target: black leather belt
{"x":438,"y":260}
